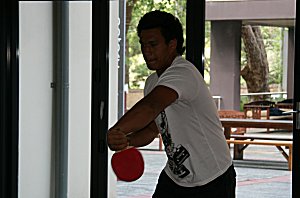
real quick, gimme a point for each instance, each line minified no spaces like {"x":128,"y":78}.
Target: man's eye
{"x":150,"y":44}
{"x":153,"y":44}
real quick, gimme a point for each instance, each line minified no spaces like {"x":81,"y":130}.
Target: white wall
{"x":80,"y":64}
{"x":36,"y":64}
{"x":35,"y":121}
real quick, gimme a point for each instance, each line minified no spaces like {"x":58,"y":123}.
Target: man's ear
{"x":173,"y":44}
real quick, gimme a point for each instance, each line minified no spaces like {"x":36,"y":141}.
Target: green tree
{"x":135,"y":10}
{"x":273,"y":37}
{"x":256,"y":70}
{"x":261,"y":57}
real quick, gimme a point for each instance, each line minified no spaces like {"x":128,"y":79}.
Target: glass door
{"x":249,"y":56}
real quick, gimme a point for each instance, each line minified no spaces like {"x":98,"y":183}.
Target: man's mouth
{"x":150,"y":61}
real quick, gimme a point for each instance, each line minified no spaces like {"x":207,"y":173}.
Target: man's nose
{"x":147,"y":49}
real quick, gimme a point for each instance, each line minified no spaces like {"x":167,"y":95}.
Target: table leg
{"x":227,"y":132}
{"x":237,"y":148}
{"x":238,"y":153}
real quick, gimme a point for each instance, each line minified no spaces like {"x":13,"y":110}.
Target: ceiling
{"x":273,"y":22}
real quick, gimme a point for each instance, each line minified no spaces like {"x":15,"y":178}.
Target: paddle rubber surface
{"x":128,"y":164}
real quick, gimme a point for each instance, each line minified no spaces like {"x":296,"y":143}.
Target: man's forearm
{"x":144,"y":136}
{"x":146,"y":110}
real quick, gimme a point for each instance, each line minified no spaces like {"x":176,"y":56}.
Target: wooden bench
{"x":242,"y":142}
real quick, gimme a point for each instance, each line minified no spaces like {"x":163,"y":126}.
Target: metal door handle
{"x":289,"y":112}
{"x":297,"y":112}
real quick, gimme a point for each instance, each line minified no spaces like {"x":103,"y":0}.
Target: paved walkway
{"x":263,"y":174}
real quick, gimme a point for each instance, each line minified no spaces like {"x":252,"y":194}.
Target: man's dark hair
{"x":169,"y":25}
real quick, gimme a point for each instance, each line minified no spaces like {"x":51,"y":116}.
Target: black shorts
{"x":221,"y":187}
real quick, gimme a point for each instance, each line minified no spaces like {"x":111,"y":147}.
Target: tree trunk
{"x":256,"y":71}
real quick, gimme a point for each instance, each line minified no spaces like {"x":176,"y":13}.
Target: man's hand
{"x":116,"y":140}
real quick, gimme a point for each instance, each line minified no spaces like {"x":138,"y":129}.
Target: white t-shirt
{"x":191,"y":130}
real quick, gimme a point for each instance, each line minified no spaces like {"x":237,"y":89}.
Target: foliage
{"x":138,"y":69}
{"x":207,"y":52}
{"x":273,"y":37}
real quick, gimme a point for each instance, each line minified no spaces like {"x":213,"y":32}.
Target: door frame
{"x":9,"y":98}
{"x":296,"y":132}
{"x":100,"y":102}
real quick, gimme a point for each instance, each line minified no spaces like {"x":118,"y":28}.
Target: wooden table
{"x":228,"y":123}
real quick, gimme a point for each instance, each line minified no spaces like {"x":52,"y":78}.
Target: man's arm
{"x":138,"y":139}
{"x":139,"y":117}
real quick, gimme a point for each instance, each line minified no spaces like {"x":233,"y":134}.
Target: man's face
{"x":158,"y":54}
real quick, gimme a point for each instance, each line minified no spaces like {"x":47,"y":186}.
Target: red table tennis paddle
{"x":128,"y":164}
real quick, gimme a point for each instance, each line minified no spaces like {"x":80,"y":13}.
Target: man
{"x":177,"y":104}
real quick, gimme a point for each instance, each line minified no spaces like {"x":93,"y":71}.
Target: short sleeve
{"x":183,"y":79}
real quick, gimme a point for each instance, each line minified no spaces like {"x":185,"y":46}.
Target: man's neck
{"x":160,"y":72}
